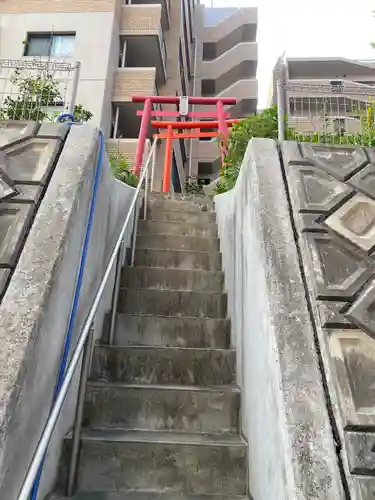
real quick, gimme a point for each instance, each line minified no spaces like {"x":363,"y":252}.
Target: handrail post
{"x":116,"y":288}
{"x":77,"y":426}
{"x":145,"y":201}
{"x":135,"y":231}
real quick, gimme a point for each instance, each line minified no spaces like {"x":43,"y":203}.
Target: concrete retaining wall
{"x":284,"y":413}
{"x":35,"y":310}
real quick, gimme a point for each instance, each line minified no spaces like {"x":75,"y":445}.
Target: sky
{"x":308,"y":28}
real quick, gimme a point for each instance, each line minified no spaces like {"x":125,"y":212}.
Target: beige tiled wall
{"x":128,"y":148}
{"x":131,"y":81}
{"x":58,"y":6}
{"x":140,"y":19}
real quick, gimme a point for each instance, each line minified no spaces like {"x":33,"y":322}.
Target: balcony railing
{"x":163,"y":48}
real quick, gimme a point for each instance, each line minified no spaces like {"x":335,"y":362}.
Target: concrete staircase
{"x":161,"y":415}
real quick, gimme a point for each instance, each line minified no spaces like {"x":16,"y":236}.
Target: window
{"x":337,"y":86}
{"x":205,"y":168}
{"x":209,"y":51}
{"x":50,"y":44}
{"x":208,"y":88}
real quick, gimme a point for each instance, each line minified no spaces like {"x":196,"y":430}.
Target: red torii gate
{"x":147,"y":113}
{"x":170,"y":136}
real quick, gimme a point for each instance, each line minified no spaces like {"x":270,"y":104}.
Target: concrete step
{"x":162,"y":408}
{"x":160,"y":461}
{"x":163,"y":365}
{"x":199,"y":205}
{"x":143,"y":495}
{"x":191,"y":217}
{"x":179,"y":197}
{"x":174,"y":242}
{"x":172,"y":279}
{"x":178,"y":228}
{"x":142,"y":330}
{"x":178,"y":259}
{"x":172,"y":303}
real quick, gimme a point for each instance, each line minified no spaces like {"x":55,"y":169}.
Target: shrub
{"x":192,"y":186}
{"x":121,"y":169}
{"x":262,"y":125}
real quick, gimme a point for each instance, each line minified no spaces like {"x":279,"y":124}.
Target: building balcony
{"x":165,"y":9}
{"x":246,"y":92}
{"x":233,"y":58}
{"x":132,"y":81}
{"x":142,"y":38}
{"x":333,"y":90}
{"x":237,"y":19}
{"x":239,"y":63}
{"x":240,"y":26}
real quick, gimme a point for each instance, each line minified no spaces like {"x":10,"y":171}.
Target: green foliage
{"x":359,"y":139}
{"x":192,"y":186}
{"x":81,"y":114}
{"x":33,"y":95}
{"x":262,"y":125}
{"x":265,"y":125}
{"x":121,"y":169}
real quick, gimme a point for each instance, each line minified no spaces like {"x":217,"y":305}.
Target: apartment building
{"x":149,"y":47}
{"x":325,"y":94}
{"x":227,"y":57}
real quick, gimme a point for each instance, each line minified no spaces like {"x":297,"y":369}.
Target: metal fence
{"x":335,"y":113}
{"x":37,"y":90}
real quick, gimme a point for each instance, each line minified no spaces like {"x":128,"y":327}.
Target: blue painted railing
{"x":79,"y":282}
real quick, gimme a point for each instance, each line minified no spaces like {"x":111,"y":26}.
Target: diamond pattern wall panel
{"x":339,"y":161}
{"x":31,"y":161}
{"x":355,"y":221}
{"x":332,"y":194}
{"x":7,"y":186}
{"x":338,"y":273}
{"x":12,"y":132}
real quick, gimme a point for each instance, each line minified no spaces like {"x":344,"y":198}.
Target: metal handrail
{"x":76,"y":356}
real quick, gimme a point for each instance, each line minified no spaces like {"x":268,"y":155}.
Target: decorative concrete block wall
{"x":28,"y":154}
{"x":36,"y":306}
{"x":284,"y":414}
{"x":298,"y":245}
{"x":332,"y":193}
